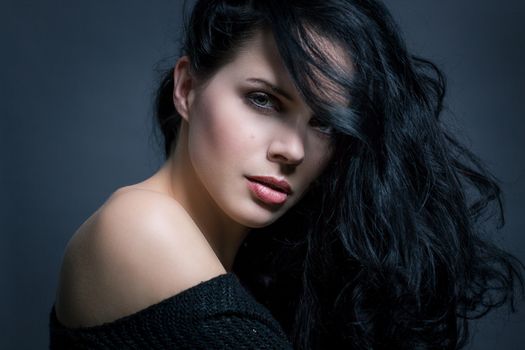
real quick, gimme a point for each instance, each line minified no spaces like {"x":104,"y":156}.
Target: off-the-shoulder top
{"x":215,"y":314}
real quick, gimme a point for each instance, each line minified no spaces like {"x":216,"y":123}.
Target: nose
{"x":287,"y":147}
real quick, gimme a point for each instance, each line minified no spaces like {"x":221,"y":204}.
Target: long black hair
{"x":387,"y":249}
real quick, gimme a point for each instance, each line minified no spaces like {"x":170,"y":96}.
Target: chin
{"x":258,"y":224}
{"x":258,"y":216}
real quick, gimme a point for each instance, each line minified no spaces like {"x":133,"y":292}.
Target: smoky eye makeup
{"x":263,"y":101}
{"x":322,"y":127}
{"x":266,"y":103}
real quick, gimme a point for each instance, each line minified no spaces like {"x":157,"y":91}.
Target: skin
{"x":189,"y":219}
{"x":235,"y":126}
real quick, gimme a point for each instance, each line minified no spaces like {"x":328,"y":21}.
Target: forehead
{"x":260,"y":56}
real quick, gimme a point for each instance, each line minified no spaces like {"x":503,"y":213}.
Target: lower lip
{"x":267,"y":194}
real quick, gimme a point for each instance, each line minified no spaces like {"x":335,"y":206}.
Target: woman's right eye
{"x":262,"y":101}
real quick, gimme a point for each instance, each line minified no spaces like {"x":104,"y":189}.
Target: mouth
{"x":269,"y":189}
{"x":273,"y":183}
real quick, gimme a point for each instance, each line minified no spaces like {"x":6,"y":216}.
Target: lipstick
{"x":269,"y":192}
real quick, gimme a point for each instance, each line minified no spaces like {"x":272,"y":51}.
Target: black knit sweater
{"x":215,"y":314}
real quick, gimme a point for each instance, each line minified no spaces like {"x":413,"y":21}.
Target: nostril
{"x":289,"y":150}
{"x":286,"y":159}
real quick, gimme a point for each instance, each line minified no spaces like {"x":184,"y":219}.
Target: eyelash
{"x":276,"y":107}
{"x":271,"y":99}
{"x":330,"y":130}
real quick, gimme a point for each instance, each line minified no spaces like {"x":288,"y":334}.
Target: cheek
{"x":320,"y":155}
{"x":218,"y":135}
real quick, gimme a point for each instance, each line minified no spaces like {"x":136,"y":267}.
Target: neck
{"x":222,"y":233}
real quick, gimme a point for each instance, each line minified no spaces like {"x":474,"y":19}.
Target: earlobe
{"x":182,"y":86}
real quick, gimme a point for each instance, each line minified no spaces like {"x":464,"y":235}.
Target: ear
{"x":182,"y":87}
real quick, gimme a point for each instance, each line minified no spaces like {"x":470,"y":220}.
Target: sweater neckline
{"x":213,"y":284}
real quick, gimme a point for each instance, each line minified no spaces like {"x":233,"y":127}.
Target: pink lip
{"x":268,"y":193}
{"x":272,"y":182}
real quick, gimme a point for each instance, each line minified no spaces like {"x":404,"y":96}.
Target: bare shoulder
{"x":139,"y":248}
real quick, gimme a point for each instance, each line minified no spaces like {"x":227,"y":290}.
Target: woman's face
{"x":248,"y":120}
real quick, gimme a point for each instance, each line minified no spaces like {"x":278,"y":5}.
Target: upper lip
{"x":280,"y":185}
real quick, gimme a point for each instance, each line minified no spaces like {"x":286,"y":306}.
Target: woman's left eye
{"x":262,"y":100}
{"x":322,"y":127}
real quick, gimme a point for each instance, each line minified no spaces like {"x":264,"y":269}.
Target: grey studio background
{"x":77,"y":79}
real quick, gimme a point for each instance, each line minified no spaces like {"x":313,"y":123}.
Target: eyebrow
{"x":272,"y":87}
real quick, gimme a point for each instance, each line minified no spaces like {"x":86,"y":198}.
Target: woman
{"x":311,"y":198}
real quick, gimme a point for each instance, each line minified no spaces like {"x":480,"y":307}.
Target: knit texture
{"x":215,"y":314}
